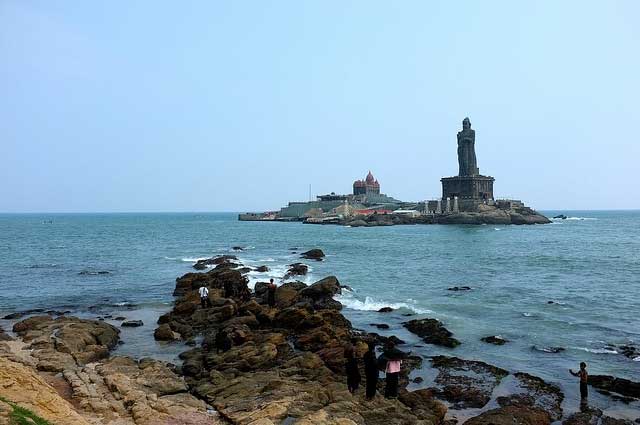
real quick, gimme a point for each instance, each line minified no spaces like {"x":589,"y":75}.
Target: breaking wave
{"x":596,"y":350}
{"x":370,"y":304}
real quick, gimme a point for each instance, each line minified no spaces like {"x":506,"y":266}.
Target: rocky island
{"x":466,"y":199}
{"x":248,"y":363}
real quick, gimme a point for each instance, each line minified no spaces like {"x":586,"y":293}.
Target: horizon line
{"x":246,"y":211}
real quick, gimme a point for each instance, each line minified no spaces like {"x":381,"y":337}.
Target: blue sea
{"x":573,"y":284}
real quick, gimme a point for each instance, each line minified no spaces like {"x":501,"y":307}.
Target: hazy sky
{"x":240,"y":105}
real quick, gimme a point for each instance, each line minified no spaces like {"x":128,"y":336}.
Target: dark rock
{"x":313,"y":254}
{"x":320,"y":294}
{"x":512,"y":415}
{"x":214,"y":261}
{"x":621,"y":386}
{"x":296,"y":269}
{"x":591,"y":415}
{"x":536,"y":393}
{"x":561,"y":216}
{"x":466,"y":383}
{"x":432,"y":331}
{"x":237,"y":248}
{"x":132,"y":324}
{"x":423,"y":404}
{"x":262,"y":269}
{"x":495,"y":340}
{"x":553,"y":350}
{"x":385,"y":310}
{"x":164,"y":333}
{"x":459,"y":288}
{"x":93,"y":273}
{"x":379,"y":325}
{"x":4,"y":336}
{"x":418,"y":380}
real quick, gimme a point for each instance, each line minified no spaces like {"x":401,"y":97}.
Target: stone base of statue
{"x":470,"y":191}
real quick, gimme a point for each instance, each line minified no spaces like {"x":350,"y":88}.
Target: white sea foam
{"x":193,"y":260}
{"x":596,"y":350}
{"x":370,"y":304}
{"x":636,"y":359}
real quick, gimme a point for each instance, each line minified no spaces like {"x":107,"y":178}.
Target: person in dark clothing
{"x":271,"y":293}
{"x":228,"y":289}
{"x":353,"y":373}
{"x":584,"y":379}
{"x":371,"y":370}
{"x":223,"y":342}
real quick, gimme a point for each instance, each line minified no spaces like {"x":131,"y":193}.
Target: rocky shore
{"x":252,"y":364}
{"x":484,"y":215}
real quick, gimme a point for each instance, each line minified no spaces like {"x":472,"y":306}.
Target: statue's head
{"x":466,"y":124}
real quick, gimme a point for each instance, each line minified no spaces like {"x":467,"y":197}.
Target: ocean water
{"x":588,"y":266}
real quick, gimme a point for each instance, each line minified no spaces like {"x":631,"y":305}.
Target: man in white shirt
{"x":204,"y":297}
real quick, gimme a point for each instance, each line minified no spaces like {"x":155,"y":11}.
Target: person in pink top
{"x":394,"y":364}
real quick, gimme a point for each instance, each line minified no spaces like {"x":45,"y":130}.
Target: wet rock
{"x":561,"y":216}
{"x":495,"y":340}
{"x":132,"y":324}
{"x":418,"y":380}
{"x":432,"y":331}
{"x":320,"y":294}
{"x":313,"y":254}
{"x":621,"y":386}
{"x":20,"y":314}
{"x":4,"y":336}
{"x":459,"y":288}
{"x":165,"y":333}
{"x":423,"y":404}
{"x":536,"y":393}
{"x":466,"y":383}
{"x":120,"y":318}
{"x":93,"y":273}
{"x":385,"y":310}
{"x":214,"y":261}
{"x":237,"y":248}
{"x":379,"y":325}
{"x":592,"y":416}
{"x":383,"y":341}
{"x":262,"y":269}
{"x":296,"y":269}
{"x":511,"y":415}
{"x":552,"y":350}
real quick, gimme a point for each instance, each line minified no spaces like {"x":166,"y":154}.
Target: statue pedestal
{"x":470,"y":190}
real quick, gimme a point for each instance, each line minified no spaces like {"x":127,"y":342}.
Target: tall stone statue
{"x":467,"y":163}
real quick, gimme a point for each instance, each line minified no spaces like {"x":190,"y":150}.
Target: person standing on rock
{"x":271,"y":293}
{"x":584,"y":379}
{"x":204,"y":297}
{"x":353,"y":372}
{"x":371,"y":371}
{"x":392,"y":370}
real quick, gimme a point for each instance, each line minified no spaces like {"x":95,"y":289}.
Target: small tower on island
{"x":469,"y":187}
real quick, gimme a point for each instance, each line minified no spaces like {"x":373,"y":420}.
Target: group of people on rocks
{"x":390,"y":361}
